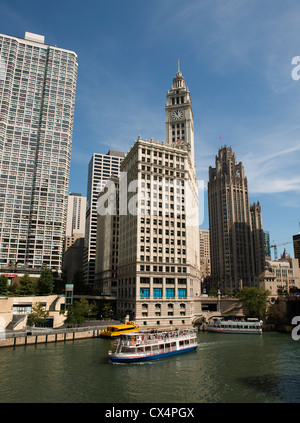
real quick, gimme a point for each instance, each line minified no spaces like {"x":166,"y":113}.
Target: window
{"x":157,"y":292}
{"x":144,"y":292}
{"x":170,"y":292}
{"x":182,"y":292}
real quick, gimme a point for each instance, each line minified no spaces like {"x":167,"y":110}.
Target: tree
{"x":213,"y":292}
{"x":107,"y":311}
{"x":75,"y":314}
{"x":3,"y":284}
{"x":79,"y":311}
{"x":38,"y":315}
{"x":276,"y":315}
{"x":229,"y":292}
{"x":27,"y":285}
{"x":255,"y":300}
{"x":45,"y":282}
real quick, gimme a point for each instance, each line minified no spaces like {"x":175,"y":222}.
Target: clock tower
{"x":179,"y":115}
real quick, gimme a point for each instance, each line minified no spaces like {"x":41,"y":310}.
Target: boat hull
{"x":137,"y":359}
{"x":237,"y":331}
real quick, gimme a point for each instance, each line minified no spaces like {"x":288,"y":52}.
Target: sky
{"x":236,"y":57}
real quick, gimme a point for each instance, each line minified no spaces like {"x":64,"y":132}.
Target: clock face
{"x":177,"y":114}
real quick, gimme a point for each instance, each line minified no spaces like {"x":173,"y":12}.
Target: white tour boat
{"x":148,"y":345}
{"x":219,"y":324}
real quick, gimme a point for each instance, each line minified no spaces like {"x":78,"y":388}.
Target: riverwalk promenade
{"x":33,"y":336}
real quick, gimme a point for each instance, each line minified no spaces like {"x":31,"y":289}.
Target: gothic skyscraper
{"x":236,"y":230}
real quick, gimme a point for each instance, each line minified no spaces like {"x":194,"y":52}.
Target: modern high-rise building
{"x":107,"y":244}
{"x":158,"y":254}
{"x":296,"y":242}
{"x":204,"y":252}
{"x":236,"y":230}
{"x":75,"y":227}
{"x":267,"y":245}
{"x":37,"y":98}
{"x":101,"y":168}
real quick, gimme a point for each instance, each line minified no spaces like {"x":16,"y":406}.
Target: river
{"x":224,"y":368}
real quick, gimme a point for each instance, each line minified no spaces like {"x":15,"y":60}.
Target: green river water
{"x":224,"y":368}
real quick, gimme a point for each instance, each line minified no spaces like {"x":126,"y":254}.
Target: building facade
{"x":101,"y":168}
{"x":75,"y":226}
{"x":267,"y":245}
{"x":258,"y":239}
{"x":204,"y":250}
{"x":75,"y":232}
{"x":158,"y":254}
{"x":107,"y":250}
{"x":236,"y":230}
{"x":296,"y":244}
{"x":37,"y":98}
{"x":281,"y":275}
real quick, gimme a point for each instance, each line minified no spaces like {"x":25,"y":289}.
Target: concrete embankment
{"x":37,"y":336}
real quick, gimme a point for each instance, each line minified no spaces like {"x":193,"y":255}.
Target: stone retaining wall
{"x":38,"y":338}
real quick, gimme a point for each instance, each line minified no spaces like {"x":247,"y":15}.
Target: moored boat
{"x":150,"y":345}
{"x":248,"y":326}
{"x":117,"y":330}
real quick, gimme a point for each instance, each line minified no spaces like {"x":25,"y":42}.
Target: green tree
{"x":27,"y":285}
{"x":45,"y":282}
{"x":75,"y":314}
{"x":228,"y":291}
{"x":79,"y":311}
{"x":255,"y":300}
{"x":38,"y":315}
{"x":276,"y":315}
{"x":107,"y":311}
{"x":3,"y":284}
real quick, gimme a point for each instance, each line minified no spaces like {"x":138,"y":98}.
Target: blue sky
{"x":236,"y":58}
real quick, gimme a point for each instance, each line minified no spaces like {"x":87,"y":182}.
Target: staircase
{"x":17,"y":318}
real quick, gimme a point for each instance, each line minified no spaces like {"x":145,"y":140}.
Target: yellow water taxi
{"x":118,"y":330}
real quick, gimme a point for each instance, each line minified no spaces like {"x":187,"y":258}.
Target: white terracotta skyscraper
{"x":158,"y":254}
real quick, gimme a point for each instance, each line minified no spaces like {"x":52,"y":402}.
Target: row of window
{"x":158,"y":306}
{"x":158,"y":292}
{"x":146,"y":280}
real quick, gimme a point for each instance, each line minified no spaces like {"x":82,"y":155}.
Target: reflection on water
{"x":225,"y":368}
{"x":283,"y":387}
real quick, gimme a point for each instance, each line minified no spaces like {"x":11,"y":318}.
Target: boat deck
{"x":142,"y":346}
